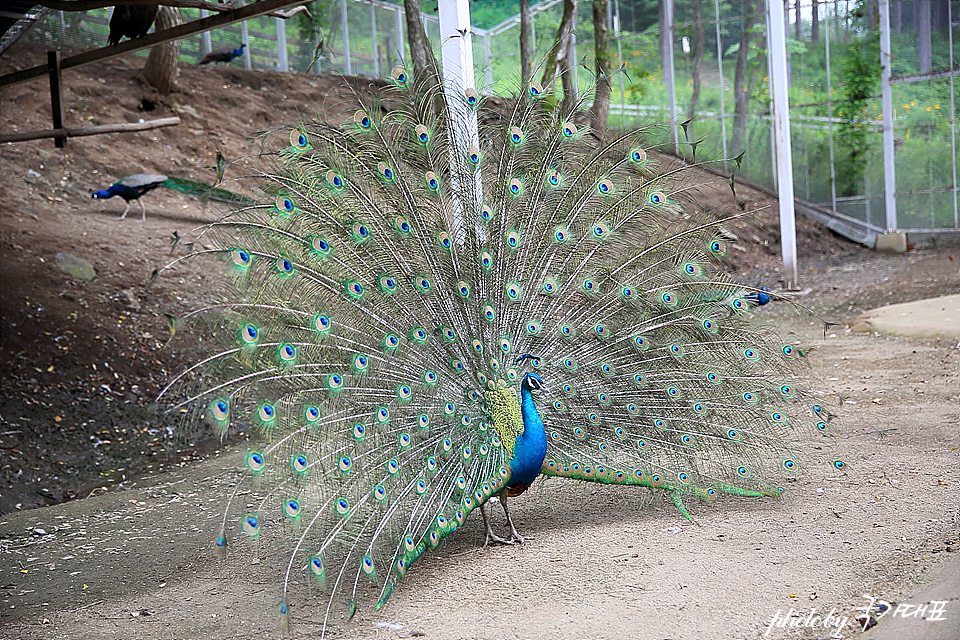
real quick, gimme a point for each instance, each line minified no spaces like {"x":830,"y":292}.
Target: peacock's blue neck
{"x":109,"y":193}
{"x":531,"y":446}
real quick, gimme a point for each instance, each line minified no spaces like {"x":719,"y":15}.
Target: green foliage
{"x":860,"y":75}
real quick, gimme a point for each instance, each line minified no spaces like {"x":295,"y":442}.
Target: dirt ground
{"x":82,"y":361}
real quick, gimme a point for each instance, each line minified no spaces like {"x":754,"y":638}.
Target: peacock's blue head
{"x":96,"y":195}
{"x":532,"y":382}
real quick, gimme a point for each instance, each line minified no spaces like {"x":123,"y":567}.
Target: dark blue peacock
{"x":418,"y":325}
{"x":136,"y":186}
{"x":223,"y":54}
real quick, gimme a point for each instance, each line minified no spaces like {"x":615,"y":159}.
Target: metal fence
{"x":837,"y":142}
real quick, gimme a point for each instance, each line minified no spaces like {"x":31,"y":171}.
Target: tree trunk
{"x":526,"y":53}
{"x":923,"y":34}
{"x":561,"y":46}
{"x":164,"y":60}
{"x":698,"y":45}
{"x":741,"y":93}
{"x":896,"y":17}
{"x":797,"y":27}
{"x":601,"y":35}
{"x":815,"y":23}
{"x":421,"y":54}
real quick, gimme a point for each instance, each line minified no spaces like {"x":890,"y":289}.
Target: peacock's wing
{"x":350,"y":350}
{"x":142,"y":180}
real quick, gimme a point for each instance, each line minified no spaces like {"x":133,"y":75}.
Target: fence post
{"x":833,"y":163}
{"x":373,"y":37}
{"x":620,"y":64}
{"x":953,"y":116}
{"x":668,"y":76}
{"x":487,"y":60}
{"x":205,"y":38}
{"x":573,"y":54}
{"x":781,"y":123}
{"x":282,"y":45}
{"x":456,"y":50}
{"x":886,"y":98}
{"x":723,"y":114}
{"x":398,"y":30}
{"x":347,"y":66}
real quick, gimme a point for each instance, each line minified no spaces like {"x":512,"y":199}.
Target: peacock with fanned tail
{"x":418,"y":324}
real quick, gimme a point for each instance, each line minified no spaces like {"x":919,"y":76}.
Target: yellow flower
{"x":930,"y":109}
{"x":936,"y":106}
{"x":906,"y":106}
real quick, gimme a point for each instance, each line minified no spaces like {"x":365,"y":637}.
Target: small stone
{"x":76,"y":267}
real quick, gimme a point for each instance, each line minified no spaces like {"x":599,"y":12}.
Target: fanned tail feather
{"x":382,"y":294}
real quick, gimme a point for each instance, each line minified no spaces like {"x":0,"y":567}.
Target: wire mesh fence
{"x":833,"y":58}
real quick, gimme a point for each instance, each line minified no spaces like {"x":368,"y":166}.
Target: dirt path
{"x":604,"y":562}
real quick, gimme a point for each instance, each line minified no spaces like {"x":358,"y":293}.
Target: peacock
{"x":223,"y":54}
{"x":135,"y":186}
{"x":131,"y":21}
{"x":417,"y":323}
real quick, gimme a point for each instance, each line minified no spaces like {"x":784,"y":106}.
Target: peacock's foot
{"x":492,"y":537}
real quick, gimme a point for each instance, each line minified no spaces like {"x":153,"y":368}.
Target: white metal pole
{"x":616,"y":34}
{"x":487,"y":55}
{"x":886,"y":98}
{"x":373,"y":36}
{"x":953,"y":117}
{"x":668,"y":76}
{"x":770,"y":92}
{"x":833,"y":162}
{"x":205,"y":38}
{"x":456,"y":51}
{"x":282,"y":63}
{"x":781,"y":119}
{"x":573,"y":55}
{"x":245,"y":38}
{"x":723,"y":115}
{"x":398,"y":31}
{"x":347,"y":65}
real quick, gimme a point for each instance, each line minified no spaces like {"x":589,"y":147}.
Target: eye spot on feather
{"x":362,"y":120}
{"x":299,"y":140}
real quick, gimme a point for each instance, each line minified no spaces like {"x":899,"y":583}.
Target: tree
{"x":698,"y":45}
{"x":526,"y":55}
{"x":164,"y":60}
{"x":741,"y":92}
{"x":421,"y":54}
{"x":601,"y":36}
{"x":559,"y":56}
{"x":815,"y":24}
{"x":798,"y":24}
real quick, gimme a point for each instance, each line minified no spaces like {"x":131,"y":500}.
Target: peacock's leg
{"x":124,"y":214}
{"x":143,"y":211}
{"x":491,"y":536}
{"x":514,"y":536}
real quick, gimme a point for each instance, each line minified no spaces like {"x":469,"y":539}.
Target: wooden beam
{"x":62,"y":132}
{"x":56,"y":95}
{"x":89,"y":5}
{"x":259,"y":8}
